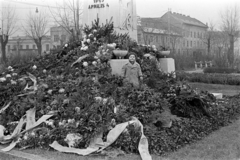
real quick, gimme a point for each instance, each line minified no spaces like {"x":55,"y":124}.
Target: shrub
{"x":219,"y":70}
{"x":209,"y":78}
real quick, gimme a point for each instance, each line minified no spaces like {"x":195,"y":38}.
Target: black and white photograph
{"x":119,"y":80}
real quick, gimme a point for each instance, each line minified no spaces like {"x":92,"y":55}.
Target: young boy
{"x":132,"y":71}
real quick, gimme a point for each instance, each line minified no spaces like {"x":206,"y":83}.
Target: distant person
{"x":132,"y":72}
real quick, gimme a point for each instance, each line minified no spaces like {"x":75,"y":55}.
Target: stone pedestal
{"x":117,"y":64}
{"x":167,"y":65}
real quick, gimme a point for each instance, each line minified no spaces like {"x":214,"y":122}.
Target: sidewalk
{"x":195,"y":71}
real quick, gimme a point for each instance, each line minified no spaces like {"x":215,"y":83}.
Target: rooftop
{"x":187,"y":19}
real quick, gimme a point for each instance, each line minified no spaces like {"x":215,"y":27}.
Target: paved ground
{"x":195,"y":71}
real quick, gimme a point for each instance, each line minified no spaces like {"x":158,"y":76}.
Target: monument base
{"x":167,"y":65}
{"x":117,"y":64}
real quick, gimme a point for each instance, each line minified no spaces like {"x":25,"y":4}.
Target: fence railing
{"x":203,"y":64}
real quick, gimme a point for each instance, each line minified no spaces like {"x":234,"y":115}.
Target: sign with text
{"x":122,"y":13}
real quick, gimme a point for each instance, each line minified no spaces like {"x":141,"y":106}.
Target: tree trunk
{"x":208,"y":45}
{"x":38,"y":42}
{"x":39,"y":46}
{"x":4,"y":41}
{"x":231,"y":50}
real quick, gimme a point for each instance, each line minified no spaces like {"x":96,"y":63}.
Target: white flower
{"x":90,"y":35}
{"x":34,"y":67}
{"x":61,"y":90}
{"x":66,"y":45}
{"x":8,"y":76}
{"x":44,"y":71}
{"x":25,"y":137}
{"x":60,"y":123}
{"x":88,"y":40}
{"x":94,"y":31}
{"x":84,"y":48}
{"x":98,"y":99}
{"x":85,"y":64}
{"x":49,"y":91}
{"x":73,"y":139}
{"x":10,"y":68}
{"x":33,"y":134}
{"x":69,"y":120}
{"x":77,"y":109}
{"x":114,"y":45}
{"x":84,"y":36}
{"x":13,"y":82}
{"x":95,"y":57}
{"x":105,"y":101}
{"x":94,"y":63}
{"x":95,"y":38}
{"x":14,"y":74}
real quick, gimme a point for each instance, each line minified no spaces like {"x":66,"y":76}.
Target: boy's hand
{"x":141,"y":78}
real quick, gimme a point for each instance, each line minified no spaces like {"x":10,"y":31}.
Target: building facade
{"x":59,"y":36}
{"x":26,"y":45}
{"x":182,"y":33}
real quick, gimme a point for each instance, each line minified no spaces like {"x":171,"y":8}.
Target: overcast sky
{"x":204,"y":10}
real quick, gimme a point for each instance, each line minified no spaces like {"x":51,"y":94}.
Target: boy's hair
{"x":132,"y":53}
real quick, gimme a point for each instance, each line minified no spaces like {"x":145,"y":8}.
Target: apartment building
{"x":186,"y":32}
{"x":26,"y":45}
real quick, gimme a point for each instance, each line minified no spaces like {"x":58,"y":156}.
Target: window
{"x":198,"y":43}
{"x":157,"y":38}
{"x":187,"y":44}
{"x":33,"y":46}
{"x":55,"y":38}
{"x":194,"y":34}
{"x":191,"y":34}
{"x":27,"y":46}
{"x":183,"y":43}
{"x":47,"y":47}
{"x":9,"y":47}
{"x":21,"y":47}
{"x":194,"y":44}
{"x":191,"y":44}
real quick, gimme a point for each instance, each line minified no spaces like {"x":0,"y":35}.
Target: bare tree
{"x":230,"y":18}
{"x":36,"y":28}
{"x":174,"y":40}
{"x":209,"y":37}
{"x":8,"y":27}
{"x":67,"y":15}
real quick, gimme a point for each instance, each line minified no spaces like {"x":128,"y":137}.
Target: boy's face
{"x":132,"y":58}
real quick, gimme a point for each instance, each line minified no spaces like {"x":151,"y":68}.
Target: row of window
{"x":196,"y":34}
{"x":56,"y":38}
{"x":27,"y":47}
{"x":150,"y":38}
{"x":193,"y":44}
